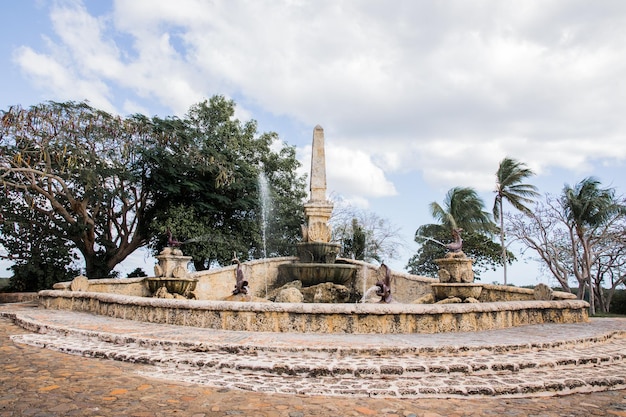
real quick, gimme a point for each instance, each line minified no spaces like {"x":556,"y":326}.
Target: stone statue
{"x":171,"y":241}
{"x":384,"y":286}
{"x":241,"y":285}
{"x":457,"y":245}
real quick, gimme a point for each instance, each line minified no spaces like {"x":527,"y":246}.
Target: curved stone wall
{"x":320,"y":318}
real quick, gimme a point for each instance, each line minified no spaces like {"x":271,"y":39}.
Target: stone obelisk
{"x":317,"y":210}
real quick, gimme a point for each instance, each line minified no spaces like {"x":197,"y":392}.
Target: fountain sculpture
{"x":384,"y":285}
{"x":455,"y":274}
{"x":171,"y":275}
{"x":317,"y":268}
{"x":317,"y":255}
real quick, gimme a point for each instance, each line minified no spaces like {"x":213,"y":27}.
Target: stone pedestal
{"x":456,"y":279}
{"x":455,"y":269}
{"x":172,"y":263}
{"x":172,"y":274}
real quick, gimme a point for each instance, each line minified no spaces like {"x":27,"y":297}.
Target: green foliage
{"x":587,"y":205}
{"x":589,"y":208}
{"x":511,"y":188}
{"x":40,"y":259}
{"x":107,"y":185}
{"x":77,"y":168}
{"x":478,"y":246}
{"x":137,"y":273}
{"x":618,"y":302}
{"x":462,"y":208}
{"x":354,"y":244}
{"x":208,"y":190}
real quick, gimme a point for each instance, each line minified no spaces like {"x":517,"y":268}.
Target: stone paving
{"x":166,"y":370}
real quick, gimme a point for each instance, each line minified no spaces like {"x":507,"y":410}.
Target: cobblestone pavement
{"x":47,"y":382}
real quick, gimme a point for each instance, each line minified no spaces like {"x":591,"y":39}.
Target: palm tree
{"x":462,"y":208}
{"x":509,"y":187}
{"x":588,"y":206}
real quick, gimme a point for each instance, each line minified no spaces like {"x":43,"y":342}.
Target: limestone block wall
{"x":123,"y":286}
{"x":320,"y":318}
{"x":217,"y":284}
{"x":491,"y":293}
{"x":405,"y":288}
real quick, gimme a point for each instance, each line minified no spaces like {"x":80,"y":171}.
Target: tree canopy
{"x":107,"y":185}
{"x":80,"y":170}
{"x":211,"y":200}
{"x":579,"y":236}
{"x":462,"y":208}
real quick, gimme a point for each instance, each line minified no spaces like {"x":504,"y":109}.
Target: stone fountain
{"x":317,"y":255}
{"x":218,"y":306}
{"x":456,"y":277}
{"x":171,"y":275}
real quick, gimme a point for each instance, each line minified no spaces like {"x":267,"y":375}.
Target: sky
{"x":414,"y":97}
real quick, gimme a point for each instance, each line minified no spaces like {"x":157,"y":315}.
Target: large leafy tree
{"x":596,"y":252}
{"x":76,"y":172}
{"x":478,"y":246}
{"x":510,"y":187}
{"x":588,"y":206}
{"x":39,"y":259}
{"x":208,"y":188}
{"x":461,"y":208}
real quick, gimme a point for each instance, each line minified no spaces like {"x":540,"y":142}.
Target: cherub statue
{"x":241,"y":285}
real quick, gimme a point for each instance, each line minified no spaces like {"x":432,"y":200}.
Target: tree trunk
{"x":502,"y":242}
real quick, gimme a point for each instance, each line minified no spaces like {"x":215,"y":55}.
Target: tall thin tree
{"x":510,"y":187}
{"x":588,"y":206}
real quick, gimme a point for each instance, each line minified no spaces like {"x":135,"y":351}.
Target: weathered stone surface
{"x":460,"y":290}
{"x":321,"y":318}
{"x":214,"y":372}
{"x":162,"y":292}
{"x":80,"y":283}
{"x":450,"y":300}
{"x":246,"y":298}
{"x":494,"y":293}
{"x":317,"y":210}
{"x":326,"y":293}
{"x":425,"y":299}
{"x":289,"y":295}
{"x":454,"y":269}
{"x":471,"y":300}
{"x":17,"y":297}
{"x":183,"y":286}
{"x":172,"y":263}
{"x":543,"y":292}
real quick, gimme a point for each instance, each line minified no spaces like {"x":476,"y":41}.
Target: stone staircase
{"x":583,"y":365}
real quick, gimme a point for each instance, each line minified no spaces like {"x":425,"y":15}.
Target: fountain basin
{"x":317,"y":252}
{"x":182,"y":286}
{"x":320,"y":318}
{"x":462,"y":291}
{"x":315,"y":273}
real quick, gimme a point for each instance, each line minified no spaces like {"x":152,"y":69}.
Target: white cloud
{"x":350,"y":174}
{"x":60,"y":81}
{"x":444,"y":90}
